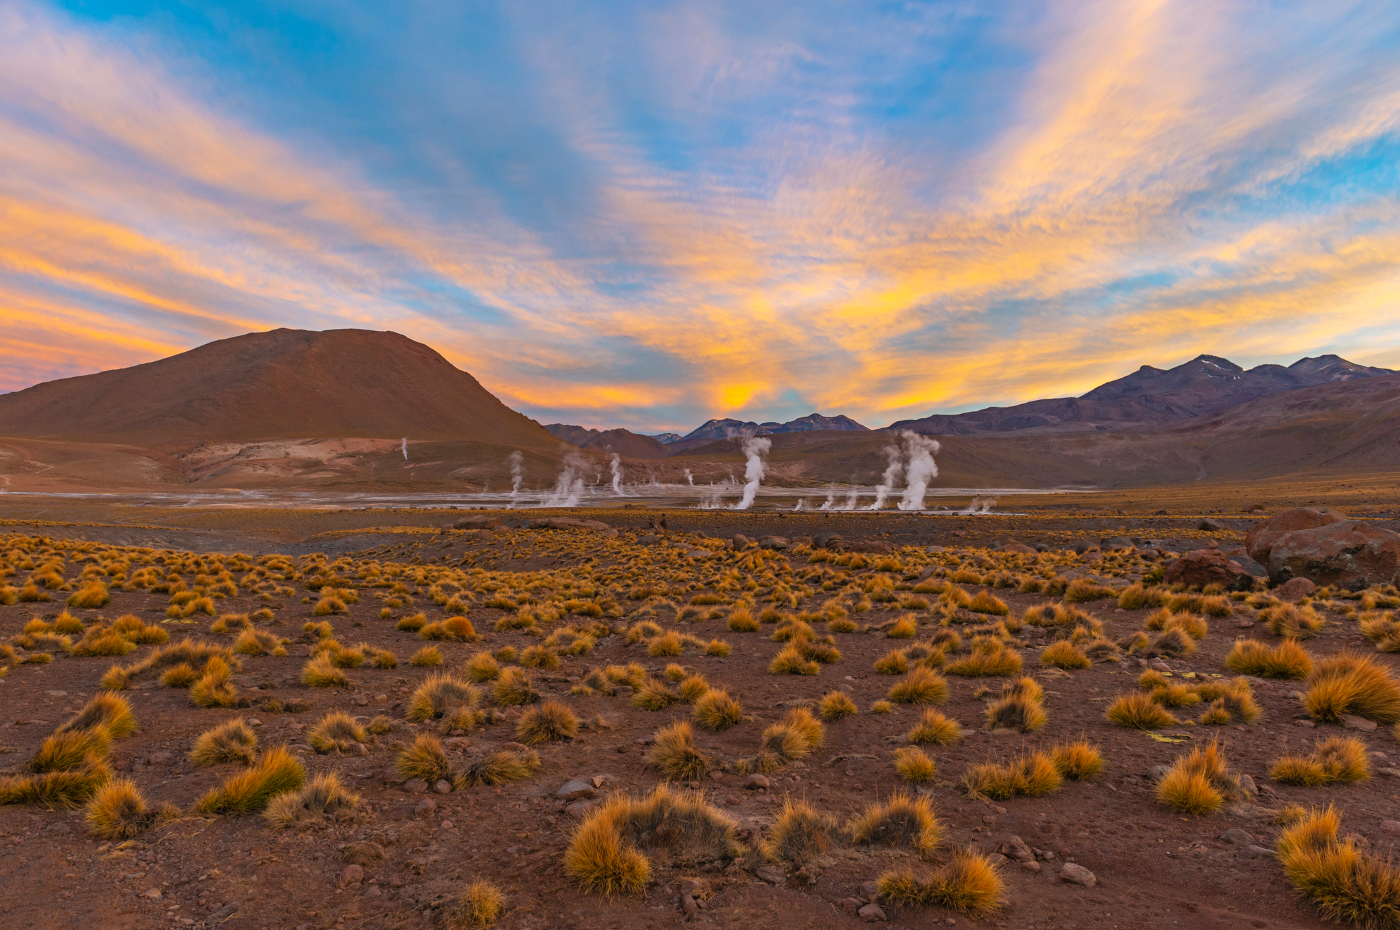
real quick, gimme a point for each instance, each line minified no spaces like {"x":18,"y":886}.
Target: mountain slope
{"x":1149,"y":397}
{"x":280,"y":384}
{"x":622,"y":441}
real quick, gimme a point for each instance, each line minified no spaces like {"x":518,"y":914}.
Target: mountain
{"x":815,"y":422}
{"x":1148,"y":398}
{"x":282,"y":384}
{"x":621,"y":441}
{"x":666,"y":437}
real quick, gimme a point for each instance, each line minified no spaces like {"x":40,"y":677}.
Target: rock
{"x":1304,"y":722}
{"x":1017,"y":547}
{"x":998,"y":859}
{"x":152,"y":893}
{"x":1255,"y":852}
{"x":827,"y":541}
{"x":1084,"y":546}
{"x":1112,"y":543}
{"x":351,"y":874}
{"x":1031,"y":866}
{"x":362,"y":854}
{"x":221,"y":915}
{"x":870,"y":892}
{"x":1353,"y":722}
{"x":1349,"y":554}
{"x":579,"y":809}
{"x":415,"y":785}
{"x":1016,"y":848}
{"x":598,"y":781}
{"x":740,"y":541}
{"x":162,"y":758}
{"x":773,"y":542}
{"x":1210,"y":526}
{"x":1238,"y":837}
{"x":649,"y":539}
{"x":756,"y":781}
{"x":852,"y":905}
{"x":1294,"y":589}
{"x":442,"y":786}
{"x":1260,"y":540}
{"x":1206,"y":567}
{"x":1391,"y":826}
{"x":1078,"y":875}
{"x":576,"y":788}
{"x":1158,"y":772}
{"x":477,"y":523}
{"x":771,"y":874}
{"x":1254,"y":568}
{"x":872,"y":913}
{"x":1247,"y":786}
{"x":1389,"y":772}
{"x":424,"y":807}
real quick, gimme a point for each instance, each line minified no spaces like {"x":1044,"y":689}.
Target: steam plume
{"x":569,"y":486}
{"x":404,"y":446}
{"x":893,"y":470}
{"x":755,"y":448}
{"x":830,"y":498}
{"x":517,"y":473}
{"x":616,"y":467}
{"x":920,"y":470}
{"x":689,"y":478}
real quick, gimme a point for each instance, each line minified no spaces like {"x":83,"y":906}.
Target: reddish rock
{"x":1349,"y":554}
{"x":1205,"y":567}
{"x":1295,"y":589}
{"x":1260,"y":540}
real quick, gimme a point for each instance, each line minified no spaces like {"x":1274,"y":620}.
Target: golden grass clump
{"x":718,"y":710}
{"x":276,"y":771}
{"x":906,"y":627}
{"x":914,"y":765}
{"x":90,"y":596}
{"x":968,"y":884}
{"x":215,"y":687}
{"x":548,"y":722}
{"x":920,"y":686}
{"x":1064,"y":654}
{"x":1138,"y":596}
{"x":513,"y":687}
{"x":791,"y":661}
{"x":323,"y":794}
{"x":900,"y":821}
{"x":894,"y":662}
{"x":1347,"y":683}
{"x":64,"y":752}
{"x":984,"y":602}
{"x":440,"y":695}
{"x":1139,"y":711}
{"x":118,"y":811}
{"x":1082,"y":590}
{"x":112,"y":712}
{"x":477,"y":907}
{"x":1016,"y":712}
{"x":987,"y":661}
{"x":337,"y":732}
{"x":482,"y":666}
{"x":1343,"y":881}
{"x":55,"y":789}
{"x":1335,"y":760}
{"x":934,"y":729}
{"x":800,"y":833}
{"x":654,"y":695}
{"x":836,"y":705}
{"x":1166,"y":619}
{"x":232,"y":741}
{"x":1031,"y":775}
{"x":1287,"y":660}
{"x":796,"y":736}
{"x":497,"y":768}
{"x":1078,"y":760}
{"x":427,"y":657}
{"x":1292,"y":621}
{"x":1198,"y":782}
{"x":320,"y":672}
{"x":676,"y":755}
{"x":424,"y":758}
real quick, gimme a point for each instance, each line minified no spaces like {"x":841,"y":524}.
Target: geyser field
{"x":295,"y":717}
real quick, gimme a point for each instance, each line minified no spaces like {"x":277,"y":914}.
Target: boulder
{"x":1295,"y":589}
{"x":567,"y":523}
{"x":827,"y":541}
{"x":1210,"y":526}
{"x":1111,"y":543}
{"x":1260,"y":540}
{"x":1251,"y":566}
{"x":1205,"y":567}
{"x":773,"y":542}
{"x":477,"y":523}
{"x":1349,"y":554}
{"x":740,"y":541}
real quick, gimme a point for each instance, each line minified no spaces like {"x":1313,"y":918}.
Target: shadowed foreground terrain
{"x":300,"y":615}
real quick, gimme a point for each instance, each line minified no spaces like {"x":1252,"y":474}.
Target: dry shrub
{"x":1343,"y":881}
{"x":1078,"y":760}
{"x":439,"y":696}
{"x":477,"y":907}
{"x":987,"y":661}
{"x":800,"y":833}
{"x":1352,"y":684}
{"x":233,"y":741}
{"x":337,"y":732}
{"x":513,"y":687}
{"x":1292,"y":621}
{"x":914,"y":765}
{"x":1032,"y":775}
{"x":1139,"y":711}
{"x":676,"y":755}
{"x":1286,"y":660}
{"x":1198,"y":782}
{"x":497,"y":768}
{"x":118,"y":811}
{"x":935,"y":729}
{"x":718,"y":710}
{"x":277,"y":771}
{"x":112,"y":712}
{"x":836,"y":705}
{"x":1064,"y":654}
{"x":901,"y":821}
{"x":1335,"y":760}
{"x":320,"y":672}
{"x":424,"y":758}
{"x":548,"y":722}
{"x":920,"y":686}
{"x":323,"y":795}
{"x":968,"y":884}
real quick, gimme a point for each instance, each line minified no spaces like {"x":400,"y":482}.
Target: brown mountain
{"x":1149,"y":398}
{"x":622,"y":441}
{"x":286,"y":383}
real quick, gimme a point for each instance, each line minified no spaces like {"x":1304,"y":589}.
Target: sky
{"x":649,"y":214}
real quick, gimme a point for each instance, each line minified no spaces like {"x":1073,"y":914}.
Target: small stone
{"x":1295,"y":589}
{"x":1078,"y":875}
{"x":756,"y":781}
{"x":152,"y":893}
{"x":443,"y":786}
{"x":872,"y":913}
{"x":162,"y":758}
{"x":1247,"y":786}
{"x":1238,"y":837}
{"x":1255,"y":852}
{"x":1391,"y":826}
{"x":771,"y":874}
{"x":853,"y":905}
{"x":361,"y":700}
{"x":424,"y":807}
{"x":870,"y":891}
{"x":998,"y":859}
{"x":1031,"y":866}
{"x":254,"y":722}
{"x":574,"y":789}
{"x":447,"y":825}
{"x":1390,"y":772}
{"x":579,"y":809}
{"x":415,"y":785}
{"x":351,"y":874}
{"x":1305,"y":723}
{"x":1158,"y":772}
{"x":1353,"y":722}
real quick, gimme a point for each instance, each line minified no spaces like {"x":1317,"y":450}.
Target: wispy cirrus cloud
{"x":648,"y":216}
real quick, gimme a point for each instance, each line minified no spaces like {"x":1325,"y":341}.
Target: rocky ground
{"x":1103,"y":852}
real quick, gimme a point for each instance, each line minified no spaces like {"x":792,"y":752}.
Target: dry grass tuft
{"x":1198,"y":782}
{"x":987,"y":661}
{"x":440,"y":696}
{"x":324,"y":794}
{"x":1335,"y":760}
{"x":424,"y":758}
{"x":1139,"y":711}
{"x":1292,"y":621}
{"x":109,"y":711}
{"x":800,"y":833}
{"x":477,"y":907}
{"x":920,"y":686}
{"x":901,"y":821}
{"x":548,"y":722}
{"x":914,"y":765}
{"x":935,"y":729}
{"x":1346,"y":883}
{"x":1064,"y":654}
{"x":337,"y":732}
{"x":513,"y":687}
{"x":1032,"y":775}
{"x":497,"y":768}
{"x":1351,"y":684}
{"x":968,"y":884}
{"x":321,"y":672}
{"x":836,"y":705}
{"x":1078,"y":760}
{"x":1286,"y":660}
{"x":676,"y":755}
{"x":276,"y":772}
{"x":718,"y":710}
{"x":118,"y":811}
{"x":233,"y":741}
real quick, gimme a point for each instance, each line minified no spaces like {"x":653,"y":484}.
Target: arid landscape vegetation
{"x":1065,"y":715}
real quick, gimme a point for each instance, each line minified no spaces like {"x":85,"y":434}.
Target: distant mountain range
{"x":1148,"y":398}
{"x":614,"y":440}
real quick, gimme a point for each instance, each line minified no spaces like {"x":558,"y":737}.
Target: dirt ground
{"x":415,"y":849}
